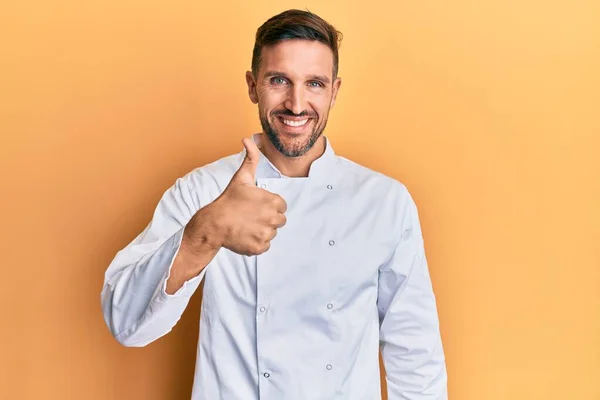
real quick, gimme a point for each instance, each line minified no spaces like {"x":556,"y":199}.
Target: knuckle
{"x":279,"y":202}
{"x":275,"y":221}
{"x":266,"y":234}
{"x":255,"y":249}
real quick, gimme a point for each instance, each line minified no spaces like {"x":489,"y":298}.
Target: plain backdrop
{"x":488,"y":111}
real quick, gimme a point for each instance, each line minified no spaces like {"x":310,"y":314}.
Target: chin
{"x":290,"y":142}
{"x":291,"y":146}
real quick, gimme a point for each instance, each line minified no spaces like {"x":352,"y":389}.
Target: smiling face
{"x":294,"y":88}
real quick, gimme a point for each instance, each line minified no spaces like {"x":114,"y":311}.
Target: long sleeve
{"x":410,"y":337}
{"x":136,"y":307}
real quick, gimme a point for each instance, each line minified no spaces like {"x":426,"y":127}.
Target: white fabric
{"x":345,"y":277}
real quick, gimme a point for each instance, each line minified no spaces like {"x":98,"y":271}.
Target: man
{"x":312,"y":263}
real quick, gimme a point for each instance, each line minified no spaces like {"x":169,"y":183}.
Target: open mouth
{"x":294,"y":124}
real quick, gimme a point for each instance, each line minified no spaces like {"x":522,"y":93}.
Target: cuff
{"x":189,"y":286}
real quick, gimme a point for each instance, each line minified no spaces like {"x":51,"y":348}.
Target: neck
{"x":294,"y":167}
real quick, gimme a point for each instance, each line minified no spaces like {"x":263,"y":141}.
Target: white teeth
{"x":294,"y":123}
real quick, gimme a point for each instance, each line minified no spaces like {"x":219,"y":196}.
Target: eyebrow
{"x":322,"y":78}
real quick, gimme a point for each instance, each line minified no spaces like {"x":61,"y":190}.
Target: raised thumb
{"x":247,"y":172}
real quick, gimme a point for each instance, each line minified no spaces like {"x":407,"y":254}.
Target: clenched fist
{"x":247,"y":217}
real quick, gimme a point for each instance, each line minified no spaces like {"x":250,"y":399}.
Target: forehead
{"x":297,"y":57}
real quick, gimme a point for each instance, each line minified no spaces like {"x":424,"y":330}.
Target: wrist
{"x":204,"y":231}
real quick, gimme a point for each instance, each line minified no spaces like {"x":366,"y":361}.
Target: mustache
{"x":288,"y":113}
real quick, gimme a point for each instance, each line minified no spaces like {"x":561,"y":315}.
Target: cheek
{"x":322,"y":107}
{"x":269,"y":100}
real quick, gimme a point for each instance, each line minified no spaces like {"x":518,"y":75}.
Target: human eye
{"x":278,"y":80}
{"x":315,"y":84}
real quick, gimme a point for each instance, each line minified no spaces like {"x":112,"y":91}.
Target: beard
{"x":299,"y":147}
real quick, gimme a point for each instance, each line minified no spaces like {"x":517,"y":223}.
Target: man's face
{"x":294,"y":89}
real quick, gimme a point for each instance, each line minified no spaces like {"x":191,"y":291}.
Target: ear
{"x":251,"y":87}
{"x":336,"y":88}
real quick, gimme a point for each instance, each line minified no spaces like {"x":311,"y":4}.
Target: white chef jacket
{"x":345,"y":277}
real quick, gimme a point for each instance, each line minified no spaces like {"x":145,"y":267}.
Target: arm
{"x":410,"y":339}
{"x":136,"y":305}
{"x":149,"y":283}
{"x":198,"y":247}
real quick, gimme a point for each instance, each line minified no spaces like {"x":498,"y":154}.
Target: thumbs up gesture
{"x":246,"y":174}
{"x":247,"y":217}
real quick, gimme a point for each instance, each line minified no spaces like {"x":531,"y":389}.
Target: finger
{"x":273,"y":234}
{"x":280,"y":204}
{"x":246,"y":174}
{"x":278,"y":220}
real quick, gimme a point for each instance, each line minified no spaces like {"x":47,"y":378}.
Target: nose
{"x":295,"y":101}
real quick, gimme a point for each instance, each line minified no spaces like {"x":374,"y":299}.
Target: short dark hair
{"x":296,"y":24}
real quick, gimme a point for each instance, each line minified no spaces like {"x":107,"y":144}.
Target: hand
{"x":247,"y":217}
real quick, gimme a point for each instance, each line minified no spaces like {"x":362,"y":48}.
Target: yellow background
{"x":487,"y":110}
